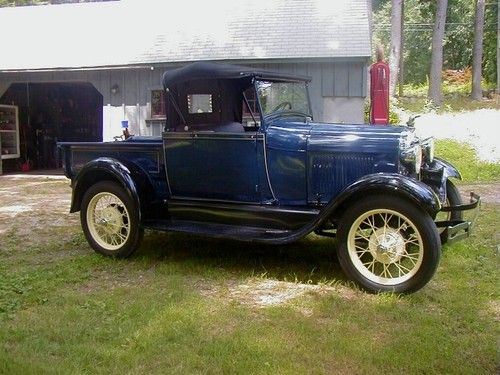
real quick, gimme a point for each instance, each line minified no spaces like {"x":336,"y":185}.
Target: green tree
{"x":458,"y":37}
{"x":477,"y":55}
{"x":395,"y":48}
{"x":490,"y":42}
{"x":435,"y":93}
{"x":417,"y":36}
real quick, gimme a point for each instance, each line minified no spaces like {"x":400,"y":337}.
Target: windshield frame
{"x":269,"y":117}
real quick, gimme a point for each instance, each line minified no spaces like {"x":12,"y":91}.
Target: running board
{"x":249,"y":234}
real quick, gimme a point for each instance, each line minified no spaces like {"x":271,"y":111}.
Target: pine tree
{"x":435,"y":93}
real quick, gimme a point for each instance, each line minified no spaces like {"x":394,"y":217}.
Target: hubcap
{"x":386,"y":247}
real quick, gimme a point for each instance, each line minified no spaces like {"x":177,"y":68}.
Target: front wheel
{"x":388,"y":244}
{"x":110,"y":220}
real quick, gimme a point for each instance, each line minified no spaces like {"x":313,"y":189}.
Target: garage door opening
{"x":51,"y":113}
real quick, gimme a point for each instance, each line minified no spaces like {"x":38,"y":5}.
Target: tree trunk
{"x":477,"y":53}
{"x":435,"y":93}
{"x":395,"y":52}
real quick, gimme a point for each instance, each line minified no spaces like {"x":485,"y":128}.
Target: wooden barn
{"x":74,"y":71}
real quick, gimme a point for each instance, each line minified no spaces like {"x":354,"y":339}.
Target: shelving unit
{"x":9,"y":132}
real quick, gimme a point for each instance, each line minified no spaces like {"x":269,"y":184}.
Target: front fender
{"x":387,"y":183}
{"x":448,"y":169}
{"x":436,"y":173}
{"x":104,"y":168}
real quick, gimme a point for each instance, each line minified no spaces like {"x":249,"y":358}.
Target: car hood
{"x":312,"y":136}
{"x":387,"y":131}
{"x":360,"y":138}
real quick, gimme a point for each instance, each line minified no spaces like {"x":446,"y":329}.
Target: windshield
{"x":283,"y":98}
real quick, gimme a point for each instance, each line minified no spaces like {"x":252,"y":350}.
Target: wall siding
{"x":327,"y":79}
{"x":344,"y":79}
{"x":341,"y":80}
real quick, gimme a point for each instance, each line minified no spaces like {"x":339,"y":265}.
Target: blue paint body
{"x":275,"y":182}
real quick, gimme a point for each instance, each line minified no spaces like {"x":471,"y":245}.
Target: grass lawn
{"x":189,"y":305}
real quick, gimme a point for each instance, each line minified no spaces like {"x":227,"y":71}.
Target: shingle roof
{"x":154,"y":31}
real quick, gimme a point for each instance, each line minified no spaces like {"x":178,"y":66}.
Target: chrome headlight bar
{"x":412,"y":158}
{"x":411,"y":152}
{"x":428,"y":150}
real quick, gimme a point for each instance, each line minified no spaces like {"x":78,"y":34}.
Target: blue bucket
{"x":124,"y":124}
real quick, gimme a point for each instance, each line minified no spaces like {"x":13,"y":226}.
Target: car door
{"x":212,"y":165}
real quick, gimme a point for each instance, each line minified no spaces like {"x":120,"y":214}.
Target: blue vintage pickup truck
{"x":241,"y":158}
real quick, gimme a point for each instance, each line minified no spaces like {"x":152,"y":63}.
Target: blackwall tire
{"x":453,"y":198}
{"x":110,"y":220}
{"x":387,"y":244}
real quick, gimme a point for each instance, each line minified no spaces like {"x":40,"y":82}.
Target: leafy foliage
{"x":458,"y":42}
{"x":415,"y":101}
{"x":394,"y":118}
{"x":490,"y":42}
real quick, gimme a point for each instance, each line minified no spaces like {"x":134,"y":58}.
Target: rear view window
{"x":199,"y":103}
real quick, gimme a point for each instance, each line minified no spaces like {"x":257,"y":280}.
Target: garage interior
{"x":51,"y":113}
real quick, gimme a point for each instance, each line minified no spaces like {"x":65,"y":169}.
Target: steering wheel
{"x":282,"y":106}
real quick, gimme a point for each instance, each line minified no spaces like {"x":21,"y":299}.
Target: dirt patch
{"x":489,"y":193}
{"x":264,"y":293}
{"x":35,"y":208}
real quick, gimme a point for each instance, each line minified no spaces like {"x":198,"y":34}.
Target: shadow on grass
{"x":310,"y":260}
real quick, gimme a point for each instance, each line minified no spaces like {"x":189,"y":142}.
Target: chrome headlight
{"x":428,"y":150}
{"x":412,"y":158}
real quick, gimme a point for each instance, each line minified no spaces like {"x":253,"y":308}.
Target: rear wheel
{"x":110,"y":220}
{"x":388,"y":244}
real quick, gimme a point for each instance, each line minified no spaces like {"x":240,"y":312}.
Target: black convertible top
{"x":208,"y":70}
{"x":224,"y":83}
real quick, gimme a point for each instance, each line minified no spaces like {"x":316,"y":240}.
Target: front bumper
{"x":456,"y":230}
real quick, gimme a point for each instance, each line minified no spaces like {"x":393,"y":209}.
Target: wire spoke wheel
{"x":388,"y":244}
{"x":110,"y":220}
{"x":385,"y":247}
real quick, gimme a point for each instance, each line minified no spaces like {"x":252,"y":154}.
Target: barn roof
{"x":134,"y":32}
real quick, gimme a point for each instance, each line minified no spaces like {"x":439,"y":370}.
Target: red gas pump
{"x":379,"y":93}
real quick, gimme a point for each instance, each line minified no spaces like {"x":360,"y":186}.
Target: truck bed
{"x":145,"y":152}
